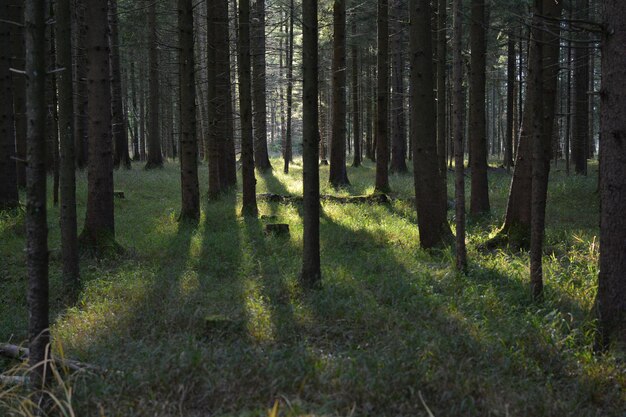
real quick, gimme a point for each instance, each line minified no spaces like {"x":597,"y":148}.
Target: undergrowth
{"x":212,"y":321}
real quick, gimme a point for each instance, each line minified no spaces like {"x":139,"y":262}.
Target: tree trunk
{"x":81,"y":103}
{"x":155,"y":157}
{"x":355,"y":97}
{"x":338,"y":176}
{"x":441,"y":90}
{"x":36,"y":216}
{"x":67,"y":174}
{"x":120,"y":132}
{"x":382,"y":99}
{"x":9,"y":198}
{"x":245,"y":102}
{"x":190,"y":210}
{"x":458,"y":108}
{"x":479,"y":202}
{"x":99,"y":230}
{"x":288,"y":156}
{"x":311,"y":271}
{"x":398,"y":127}
{"x":510,"y":103}
{"x":259,"y":94}
{"x":431,"y":214}
{"x":611,"y":298}
{"x":580,"y":121}
{"x":135,"y":113}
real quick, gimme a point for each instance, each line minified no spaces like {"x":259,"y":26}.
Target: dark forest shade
{"x":611,"y":298}
{"x":431,"y":214}
{"x":249,"y":207}
{"x":119,"y":128}
{"x":190,"y":194}
{"x":398,"y":115}
{"x":338,"y":175}
{"x":311,"y":272}
{"x":67,"y":175}
{"x":8,"y":171}
{"x":36,"y":213}
{"x":19,"y":88}
{"x":99,"y":230}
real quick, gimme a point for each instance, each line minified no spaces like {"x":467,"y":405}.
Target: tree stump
{"x":277,"y":229}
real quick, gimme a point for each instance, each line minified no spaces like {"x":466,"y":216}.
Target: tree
{"x":67,"y":174}
{"x":479,"y":202}
{"x":398,"y":127}
{"x":99,"y":230}
{"x":441,"y":98}
{"x":459,"y":160}
{"x":245,"y":104}
{"x":431,"y":214}
{"x":119,"y":128}
{"x":9,"y":197}
{"x":338,"y":175}
{"x":510,"y":102}
{"x":354,"y":55}
{"x":287,"y":156}
{"x":19,"y":89}
{"x":36,"y":214}
{"x":261,"y":157}
{"x":81,"y":102}
{"x":155,"y":157}
{"x":611,"y":298}
{"x":311,"y":271}
{"x":382,"y":98}
{"x":580,"y":120}
{"x":190,"y":211}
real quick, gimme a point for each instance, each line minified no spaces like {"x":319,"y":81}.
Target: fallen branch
{"x":21,"y":353}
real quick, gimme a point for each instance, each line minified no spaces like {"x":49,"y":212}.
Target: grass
{"x":212,"y":321}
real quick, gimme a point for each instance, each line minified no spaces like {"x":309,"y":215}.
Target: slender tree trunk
{"x":52,"y":120}
{"x":36,"y":215}
{"x":99,"y":230}
{"x":216,"y":106}
{"x":289,"y":134}
{"x":259,"y":94}
{"x":382,"y":99}
{"x":81,"y":103}
{"x":431,"y":215}
{"x":9,"y":198}
{"x":398,"y":127}
{"x":355,"y":98}
{"x":311,"y":271}
{"x":245,"y":102}
{"x":155,"y":157}
{"x":510,"y":104}
{"x":135,"y":113}
{"x":441,"y":97}
{"x":190,"y":209}
{"x":458,"y":106}
{"x":580,"y":121}
{"x":120,"y":132}
{"x":142,"y":112}
{"x":479,"y":202}
{"x":69,"y":239}
{"x":338,"y":174}
{"x":611,"y":298}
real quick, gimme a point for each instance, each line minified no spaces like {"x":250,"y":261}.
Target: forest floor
{"x":211,"y":321}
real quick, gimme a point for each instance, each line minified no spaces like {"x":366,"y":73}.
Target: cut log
{"x":277,"y":229}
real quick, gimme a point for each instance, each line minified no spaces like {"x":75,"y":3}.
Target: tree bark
{"x":510,"y":103}
{"x":611,"y":298}
{"x":120,"y":132}
{"x":354,"y":55}
{"x":9,"y":198}
{"x":155,"y":157}
{"x":36,"y":215}
{"x":19,"y":89}
{"x":67,"y":174}
{"x":99,"y":230}
{"x":580,"y":120}
{"x":190,"y":209}
{"x":245,"y":103}
{"x":431,"y":214}
{"x":458,"y":107}
{"x":479,"y":202}
{"x":288,"y":155}
{"x":81,"y":102}
{"x":398,"y":127}
{"x":259,"y":94}
{"x":311,"y":272}
{"x":338,"y":175}
{"x":382,"y":99}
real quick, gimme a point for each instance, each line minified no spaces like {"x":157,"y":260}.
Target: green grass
{"x":212,"y":321}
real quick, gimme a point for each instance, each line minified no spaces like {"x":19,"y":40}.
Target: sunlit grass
{"x":213,"y":321}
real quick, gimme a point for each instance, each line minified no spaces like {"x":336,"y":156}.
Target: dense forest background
{"x":312,"y":207}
